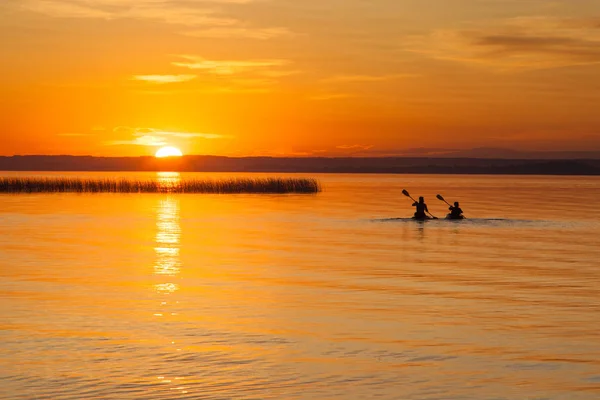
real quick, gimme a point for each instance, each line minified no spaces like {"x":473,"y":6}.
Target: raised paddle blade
{"x":405,"y":192}
{"x":440,"y":197}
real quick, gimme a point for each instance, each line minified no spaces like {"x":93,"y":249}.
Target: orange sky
{"x":291,"y":77}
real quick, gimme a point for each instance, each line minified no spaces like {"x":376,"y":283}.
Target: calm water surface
{"x":111,"y":296}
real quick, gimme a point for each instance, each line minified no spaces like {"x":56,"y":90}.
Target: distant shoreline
{"x":347,"y":165}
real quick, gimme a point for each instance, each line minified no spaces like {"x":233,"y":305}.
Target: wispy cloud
{"x":228,"y":67}
{"x":239,"y":32}
{"x":145,"y":140}
{"x":156,"y":137}
{"x":191,"y":135}
{"x":168,"y":11}
{"x":65,"y":9}
{"x":279,"y":73}
{"x":203,"y":18}
{"x":367,"y":78}
{"x":239,"y":76}
{"x":517,"y":43}
{"x":355,"y":147}
{"x":163,"y":79}
{"x":331,"y":96}
{"x":232,"y":89}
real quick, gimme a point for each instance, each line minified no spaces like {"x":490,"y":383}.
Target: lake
{"x":330,"y":296}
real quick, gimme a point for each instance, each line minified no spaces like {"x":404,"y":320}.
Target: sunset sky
{"x":297,"y":77}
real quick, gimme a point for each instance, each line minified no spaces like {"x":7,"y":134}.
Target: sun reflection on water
{"x":167,"y":268}
{"x":168,"y":234}
{"x":167,"y":249}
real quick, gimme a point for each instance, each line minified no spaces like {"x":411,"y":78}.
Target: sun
{"x":168,"y":151}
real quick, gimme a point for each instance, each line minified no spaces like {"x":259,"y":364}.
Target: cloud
{"x":279,"y":73}
{"x":331,"y":96}
{"x":516,"y":43}
{"x":236,"y":76}
{"x":157,"y":137}
{"x":203,"y":18}
{"x":241,"y":90}
{"x":239,"y":76}
{"x":187,"y":135}
{"x":354,"y":147}
{"x":145,"y":140}
{"x":168,"y":11}
{"x":366,"y":78}
{"x":125,"y":130}
{"x":239,"y":32}
{"x":163,"y":79}
{"x":228,"y":67}
{"x":64,"y":9}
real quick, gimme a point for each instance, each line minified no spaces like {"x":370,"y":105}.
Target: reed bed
{"x":221,"y":186}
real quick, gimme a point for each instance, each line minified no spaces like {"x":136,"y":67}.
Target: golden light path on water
{"x":168,"y":235}
{"x":168,"y":265}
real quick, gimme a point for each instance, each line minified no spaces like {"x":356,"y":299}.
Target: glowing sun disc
{"x":168,"y":151}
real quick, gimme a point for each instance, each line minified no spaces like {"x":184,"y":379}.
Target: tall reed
{"x":82,"y":185}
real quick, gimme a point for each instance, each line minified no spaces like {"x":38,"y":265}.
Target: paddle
{"x":439,"y":196}
{"x":405,"y":192}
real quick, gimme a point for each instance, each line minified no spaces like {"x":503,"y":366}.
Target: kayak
{"x":448,"y":217}
{"x":425,"y":218}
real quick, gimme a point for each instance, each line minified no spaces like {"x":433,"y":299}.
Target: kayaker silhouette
{"x":421,"y":208}
{"x":455,"y":211}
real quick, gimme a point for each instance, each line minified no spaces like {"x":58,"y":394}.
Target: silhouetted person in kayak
{"x":455,"y":211}
{"x":421,"y":208}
